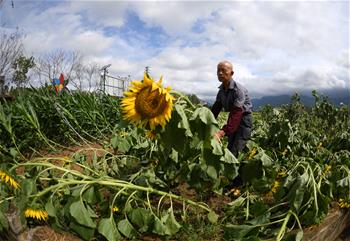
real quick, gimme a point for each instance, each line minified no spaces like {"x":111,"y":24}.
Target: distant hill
{"x":335,"y":98}
{"x":280,"y":100}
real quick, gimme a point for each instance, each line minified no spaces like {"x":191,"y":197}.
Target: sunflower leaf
{"x":81,"y":214}
{"x":108,"y":229}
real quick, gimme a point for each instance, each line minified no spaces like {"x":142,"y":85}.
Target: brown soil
{"x":45,"y":233}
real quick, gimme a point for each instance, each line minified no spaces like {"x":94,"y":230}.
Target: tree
{"x":21,"y":67}
{"x":11,"y":48}
{"x":71,"y":64}
{"x":92,"y":75}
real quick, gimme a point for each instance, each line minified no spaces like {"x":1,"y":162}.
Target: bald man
{"x":233,"y":98}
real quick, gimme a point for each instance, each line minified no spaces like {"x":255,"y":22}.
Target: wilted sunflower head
{"x":147,"y":103}
{"x":36,"y":214}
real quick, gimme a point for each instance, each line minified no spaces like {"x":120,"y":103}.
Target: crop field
{"x":104,"y":168}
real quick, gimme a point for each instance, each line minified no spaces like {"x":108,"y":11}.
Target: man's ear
{"x":232,"y":73}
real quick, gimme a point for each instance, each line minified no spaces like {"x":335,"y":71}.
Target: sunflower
{"x":147,"y":103}
{"x":9,"y":180}
{"x":275,"y":186}
{"x":252,"y":153}
{"x":36,"y":214}
{"x":343,"y":203}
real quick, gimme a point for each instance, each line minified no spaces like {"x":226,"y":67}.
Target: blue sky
{"x":276,"y":47}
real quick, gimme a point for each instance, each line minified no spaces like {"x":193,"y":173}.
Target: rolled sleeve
{"x":233,"y":121}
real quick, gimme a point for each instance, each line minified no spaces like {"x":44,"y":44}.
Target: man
{"x":234,"y":98}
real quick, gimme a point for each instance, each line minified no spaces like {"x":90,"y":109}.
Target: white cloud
{"x":90,"y":42}
{"x":276,"y":47}
{"x":106,"y":13}
{"x":175,"y":17}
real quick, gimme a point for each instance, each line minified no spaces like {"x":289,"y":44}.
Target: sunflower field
{"x":146,"y":167}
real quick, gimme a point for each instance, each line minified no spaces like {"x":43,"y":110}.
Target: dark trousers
{"x":238,"y":140}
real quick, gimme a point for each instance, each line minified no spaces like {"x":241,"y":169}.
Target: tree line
{"x":17,"y":69}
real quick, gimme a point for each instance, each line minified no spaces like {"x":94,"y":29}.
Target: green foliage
{"x":21,"y":67}
{"x":297,"y":164}
{"x":55,"y":120}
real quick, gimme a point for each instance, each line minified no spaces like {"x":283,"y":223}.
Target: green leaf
{"x":123,"y":145}
{"x":51,"y":210}
{"x":183,"y":123}
{"x":159,"y":228}
{"x":204,"y":125}
{"x":265,"y":159}
{"x":85,"y":232}
{"x":213,"y":217}
{"x":13,"y":152}
{"x":236,"y":232}
{"x":114,"y":142}
{"x":237,"y":202}
{"x":108,"y":229}
{"x":211,"y":171}
{"x":228,"y":157}
{"x":81,"y":214}
{"x":230,"y":171}
{"x":172,"y":226}
{"x":205,"y":115}
{"x":141,"y":217}
{"x":89,"y":195}
{"x":217,"y":149}
{"x":297,"y":191}
{"x":173,"y":132}
{"x":91,"y":212}
{"x":174,"y":155}
{"x":125,"y":227}
{"x":28,"y":186}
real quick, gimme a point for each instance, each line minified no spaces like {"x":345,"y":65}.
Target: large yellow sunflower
{"x":147,"y":103}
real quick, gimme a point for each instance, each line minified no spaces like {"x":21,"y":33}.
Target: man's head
{"x":225,"y":71}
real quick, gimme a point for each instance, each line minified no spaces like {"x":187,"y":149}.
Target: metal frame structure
{"x":112,"y":85}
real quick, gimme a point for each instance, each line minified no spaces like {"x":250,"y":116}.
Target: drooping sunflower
{"x":147,"y":103}
{"x":36,"y":214}
{"x":9,"y":180}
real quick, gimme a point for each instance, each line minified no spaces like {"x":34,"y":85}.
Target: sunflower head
{"x":9,"y":180}
{"x":275,"y":186}
{"x":252,"y":153}
{"x":37,"y":214}
{"x":147,"y":103}
{"x":343,"y":203}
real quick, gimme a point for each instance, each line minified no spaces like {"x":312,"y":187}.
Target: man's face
{"x":224,"y":72}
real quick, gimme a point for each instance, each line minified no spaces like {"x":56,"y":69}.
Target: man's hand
{"x":218,"y":135}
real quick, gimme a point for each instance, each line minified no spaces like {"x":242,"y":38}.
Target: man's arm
{"x":233,"y":121}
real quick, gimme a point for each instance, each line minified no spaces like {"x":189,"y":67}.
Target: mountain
{"x":335,"y":97}
{"x":279,"y":100}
